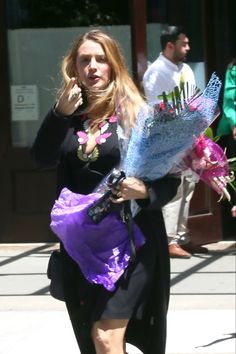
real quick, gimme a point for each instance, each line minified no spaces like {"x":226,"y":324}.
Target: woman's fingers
{"x":79,"y":102}
{"x":75,"y":93}
{"x":130,"y":188}
{"x":117,"y":194}
{"x":117,"y":199}
{"x":70,"y":99}
{"x":233,"y":211}
{"x":69,"y":85}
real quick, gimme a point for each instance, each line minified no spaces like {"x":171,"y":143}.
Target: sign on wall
{"x":24,"y":103}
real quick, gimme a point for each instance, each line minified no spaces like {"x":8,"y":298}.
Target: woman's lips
{"x":94,"y":78}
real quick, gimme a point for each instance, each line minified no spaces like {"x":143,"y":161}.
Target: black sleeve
{"x":161,"y":192}
{"x":47,"y":145}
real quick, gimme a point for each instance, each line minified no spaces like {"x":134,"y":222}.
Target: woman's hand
{"x":233,"y":211}
{"x":130,"y":188}
{"x":70,"y":99}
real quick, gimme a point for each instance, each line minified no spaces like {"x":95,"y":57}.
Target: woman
{"x":226,"y":130}
{"x":227,"y":122}
{"x":79,"y":135}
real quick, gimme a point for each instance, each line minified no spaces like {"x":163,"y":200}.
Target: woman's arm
{"x":47,"y":146}
{"x":230,"y":96}
{"x":154,"y":194}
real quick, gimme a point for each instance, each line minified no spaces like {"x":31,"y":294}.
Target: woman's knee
{"x":102,"y":340}
{"x":109,"y":334}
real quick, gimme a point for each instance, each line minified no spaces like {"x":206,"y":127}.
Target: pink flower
{"x":209,"y":161}
{"x":83,"y":137}
{"x":162,"y":106}
{"x":101,"y":139}
{"x":198,"y":164}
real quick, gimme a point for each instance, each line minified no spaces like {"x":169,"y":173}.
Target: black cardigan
{"x":56,"y":145}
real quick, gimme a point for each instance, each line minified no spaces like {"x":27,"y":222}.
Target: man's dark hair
{"x":170,"y":34}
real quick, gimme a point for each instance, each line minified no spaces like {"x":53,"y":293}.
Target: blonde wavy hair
{"x":121,"y":96}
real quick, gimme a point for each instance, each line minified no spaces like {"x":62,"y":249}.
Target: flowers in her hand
{"x":208,"y":160}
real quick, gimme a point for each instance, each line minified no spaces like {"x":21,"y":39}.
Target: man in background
{"x":163,"y":75}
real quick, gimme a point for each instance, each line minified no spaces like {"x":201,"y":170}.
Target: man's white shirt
{"x":163,"y":75}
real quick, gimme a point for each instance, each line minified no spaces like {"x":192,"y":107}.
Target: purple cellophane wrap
{"x":101,"y":250}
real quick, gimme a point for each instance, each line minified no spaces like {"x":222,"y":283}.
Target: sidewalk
{"x":201,"y":318}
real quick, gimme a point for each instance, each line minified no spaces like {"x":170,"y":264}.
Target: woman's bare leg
{"x":108,"y":336}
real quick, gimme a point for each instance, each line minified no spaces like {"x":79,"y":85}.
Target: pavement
{"x":201,"y":317}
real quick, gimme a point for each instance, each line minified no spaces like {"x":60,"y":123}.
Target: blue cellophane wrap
{"x":160,"y":137}
{"x":102,"y":250}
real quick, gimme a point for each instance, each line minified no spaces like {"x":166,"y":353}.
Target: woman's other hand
{"x":70,"y":99}
{"x":233,"y":211}
{"x":130,"y":188}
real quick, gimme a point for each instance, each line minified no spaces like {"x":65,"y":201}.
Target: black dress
{"x":142,"y":293}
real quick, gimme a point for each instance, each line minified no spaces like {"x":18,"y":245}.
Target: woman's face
{"x":92,"y":66}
